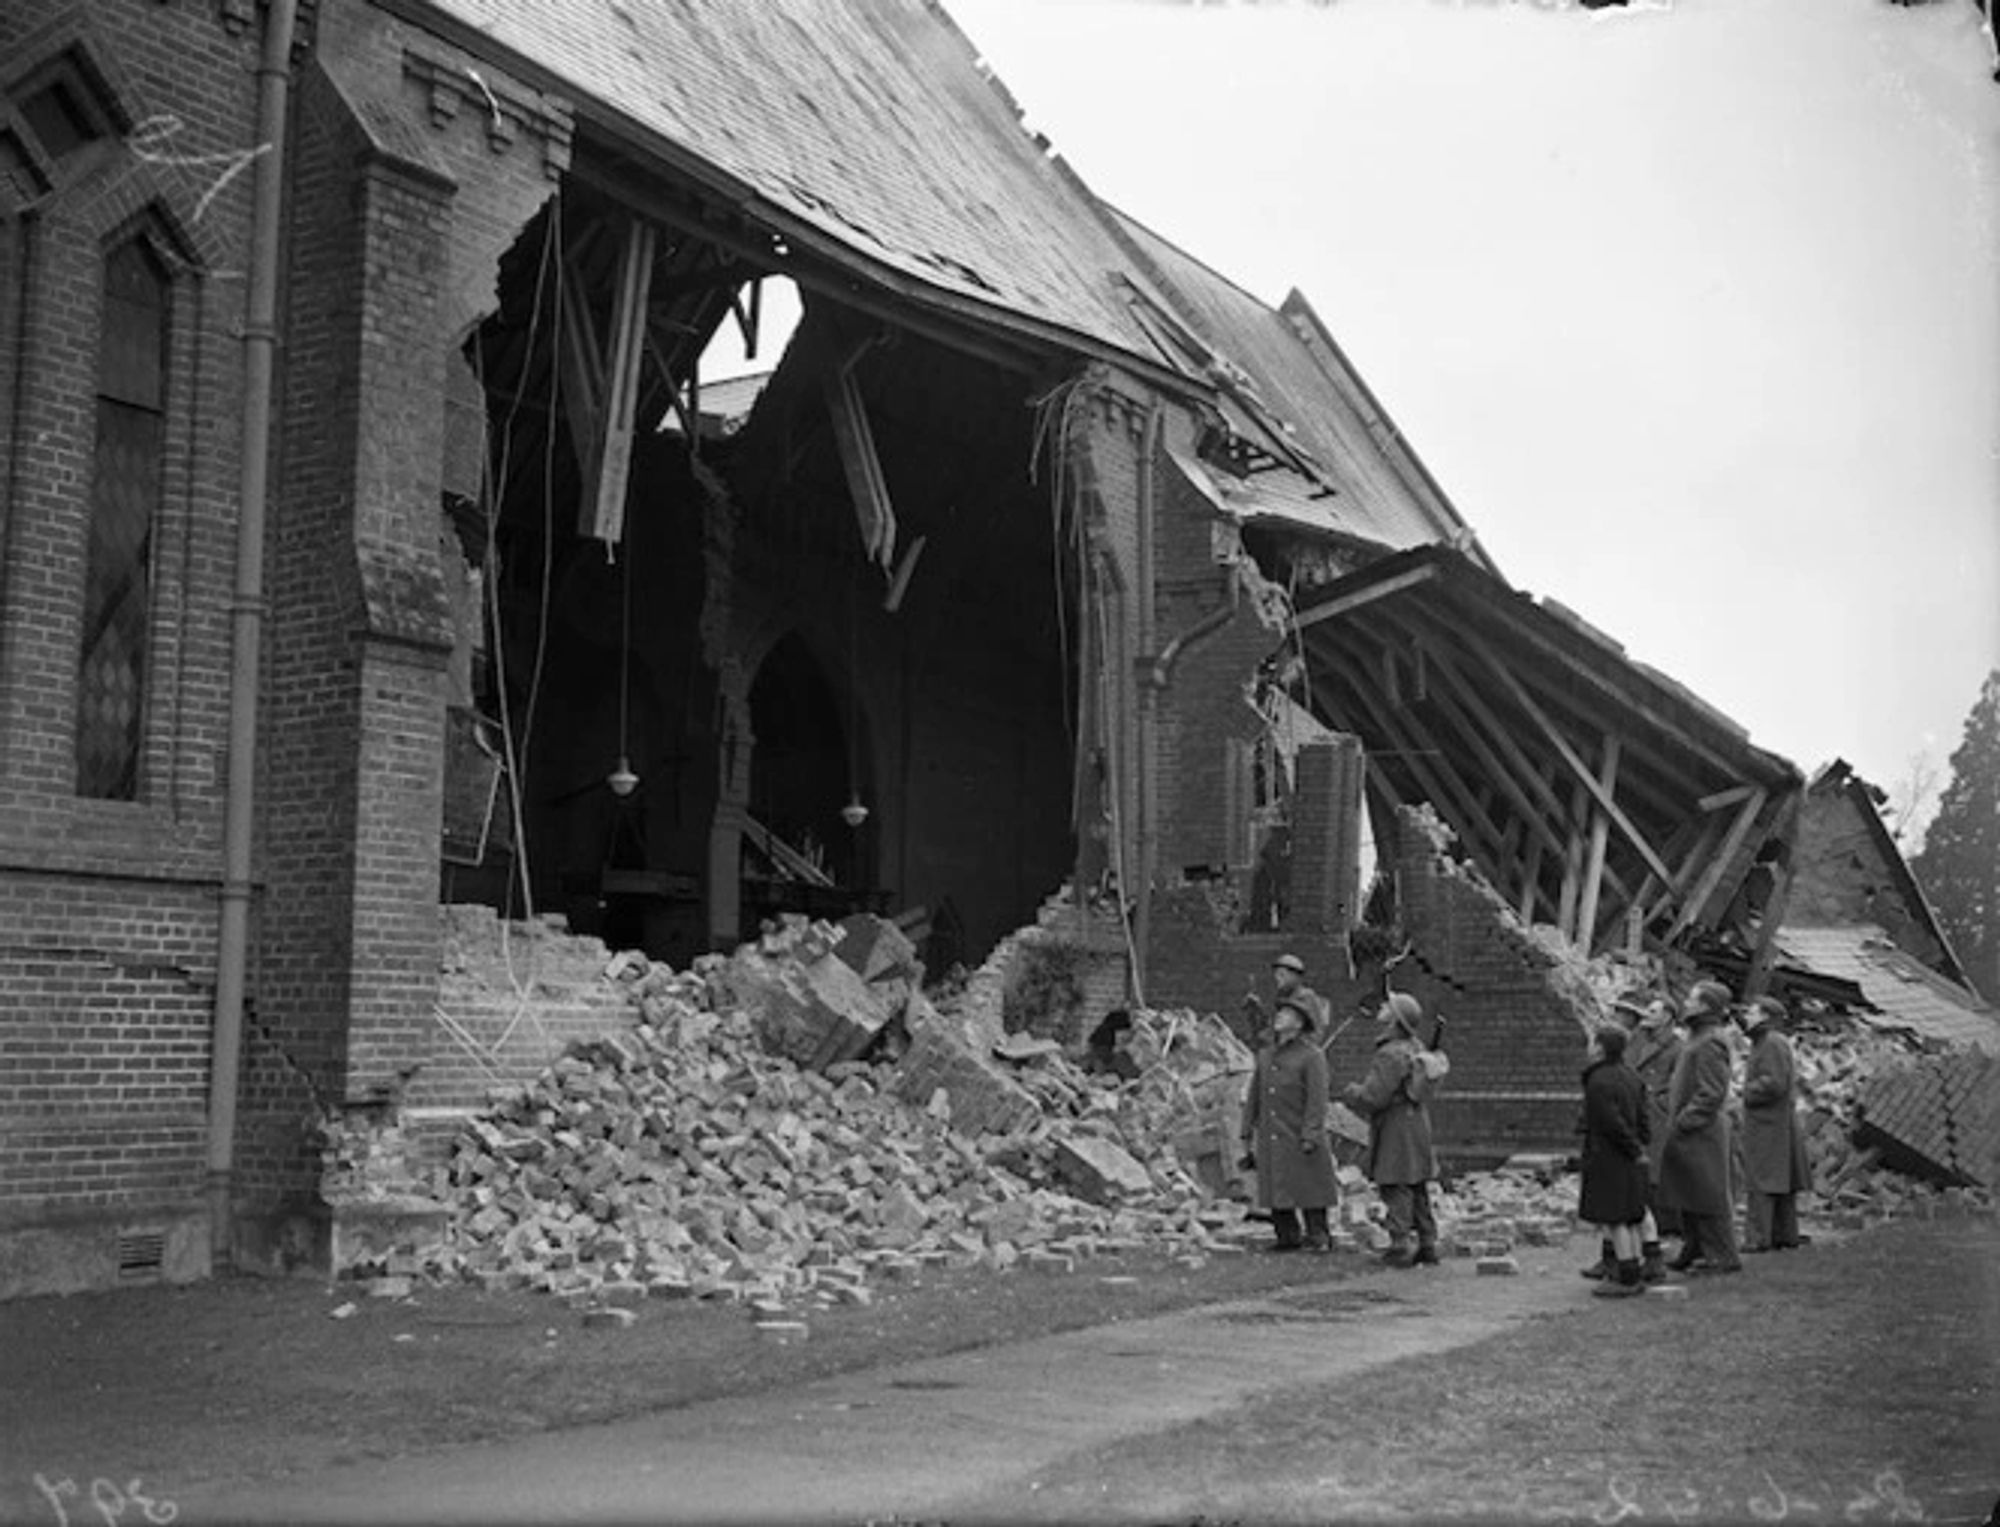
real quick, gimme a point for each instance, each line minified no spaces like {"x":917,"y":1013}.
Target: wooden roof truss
{"x":1586,"y":793}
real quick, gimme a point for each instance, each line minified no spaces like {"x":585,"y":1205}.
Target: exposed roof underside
{"x":1585,"y":787}
{"x":863,"y":124}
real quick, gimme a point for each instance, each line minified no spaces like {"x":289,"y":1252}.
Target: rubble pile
{"x":685,"y":1157}
{"x":1858,"y":1173}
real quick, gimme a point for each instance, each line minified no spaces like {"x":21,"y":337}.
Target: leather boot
{"x":1652,"y":1266}
{"x":1606,"y":1263}
{"x":1623,"y":1284}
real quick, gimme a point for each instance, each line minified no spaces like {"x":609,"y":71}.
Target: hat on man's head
{"x":1303,"y":1006}
{"x":1401,"y":1009}
{"x":1289,"y":962}
{"x":1768,"y":1010}
{"x":1708,"y":1002}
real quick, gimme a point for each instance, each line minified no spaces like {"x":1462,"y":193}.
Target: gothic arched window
{"x":125,"y":494}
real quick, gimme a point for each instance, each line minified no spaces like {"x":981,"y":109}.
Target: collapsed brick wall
{"x":1518,"y":1011}
{"x":511,"y":996}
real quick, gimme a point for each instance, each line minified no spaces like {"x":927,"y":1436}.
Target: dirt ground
{"x":1849,"y":1382}
{"x":1857,"y":1382}
{"x":246,"y":1378}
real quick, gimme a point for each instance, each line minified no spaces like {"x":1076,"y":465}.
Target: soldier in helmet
{"x":1284,"y":1129}
{"x":1288,"y":980}
{"x":1395,"y":1100}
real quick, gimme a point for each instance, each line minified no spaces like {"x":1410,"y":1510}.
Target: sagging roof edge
{"x":745,"y":200}
{"x":1840,"y":774}
{"x":1320,"y":344}
{"x":1455,"y":568}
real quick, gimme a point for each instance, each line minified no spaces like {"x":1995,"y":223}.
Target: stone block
{"x":1496,"y":1267}
{"x":608,"y":1318}
{"x":1100,"y":1172}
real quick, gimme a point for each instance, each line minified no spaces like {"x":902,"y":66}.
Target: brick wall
{"x":108,"y":908}
{"x":1514,"y":1033}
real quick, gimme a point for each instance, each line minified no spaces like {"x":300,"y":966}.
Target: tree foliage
{"x":1959,"y":867}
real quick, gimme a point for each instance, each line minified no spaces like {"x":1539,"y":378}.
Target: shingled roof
{"x":1292,"y":380}
{"x":1901,"y":988}
{"x":868,"y":123}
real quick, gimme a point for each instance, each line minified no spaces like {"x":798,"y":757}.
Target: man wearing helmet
{"x":1394,"y":1099}
{"x":1284,"y":1129}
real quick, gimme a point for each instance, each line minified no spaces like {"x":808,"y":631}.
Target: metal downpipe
{"x":247,"y":616}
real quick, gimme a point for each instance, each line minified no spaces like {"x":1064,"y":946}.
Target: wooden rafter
{"x":1579,"y":771}
{"x":1600,"y":830}
{"x":1439,"y":640}
{"x":1498,"y":863}
{"x":1718,"y":863}
{"x":1587,"y":678}
{"x":1773,"y":915}
{"x":1342,"y":604}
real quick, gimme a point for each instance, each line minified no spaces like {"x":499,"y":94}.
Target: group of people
{"x":1284,"y":1129}
{"x":1668,"y":1141}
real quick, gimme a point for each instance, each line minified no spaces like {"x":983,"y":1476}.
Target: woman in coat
{"x":1401,"y":1160}
{"x":1775,"y":1167}
{"x":1694,"y":1168}
{"x":1616,"y":1182}
{"x":1284,"y":1129}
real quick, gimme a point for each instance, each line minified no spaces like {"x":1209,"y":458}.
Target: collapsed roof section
{"x":1299,"y":442}
{"x":866,"y":145}
{"x":1592,"y":792}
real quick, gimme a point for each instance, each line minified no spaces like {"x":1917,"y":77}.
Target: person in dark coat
{"x":1284,"y":1129}
{"x":1694,"y":1168}
{"x":1775,"y":1167}
{"x":1393,"y":1098}
{"x":1616,"y":1184}
{"x":1655,"y":1047}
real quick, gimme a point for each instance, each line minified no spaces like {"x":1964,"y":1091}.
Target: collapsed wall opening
{"x":820,"y":654}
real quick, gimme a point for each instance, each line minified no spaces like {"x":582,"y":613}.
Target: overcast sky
{"x":1693,"y":309}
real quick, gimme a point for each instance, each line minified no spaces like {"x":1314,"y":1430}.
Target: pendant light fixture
{"x":854,"y":813}
{"x":621,"y":779}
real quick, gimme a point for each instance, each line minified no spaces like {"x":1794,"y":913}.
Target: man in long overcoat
{"x":1401,"y":1160}
{"x":1775,"y":1166}
{"x":1655,"y":1047}
{"x":1615,"y":1186}
{"x":1694,"y":1168}
{"x":1284,"y":1128}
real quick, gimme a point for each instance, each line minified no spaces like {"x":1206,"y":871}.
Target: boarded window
{"x":125,"y":494}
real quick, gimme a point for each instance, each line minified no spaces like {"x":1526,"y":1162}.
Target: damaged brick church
{"x":370,"y":539}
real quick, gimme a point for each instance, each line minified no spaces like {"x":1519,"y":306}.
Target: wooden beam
{"x":856,"y":445}
{"x":1343,"y":604}
{"x":1773,"y":917}
{"x":1704,"y":888}
{"x":601,"y":506}
{"x":1578,"y":770}
{"x":1600,"y":830}
{"x":1727,"y":797}
{"x":1572,"y":862}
